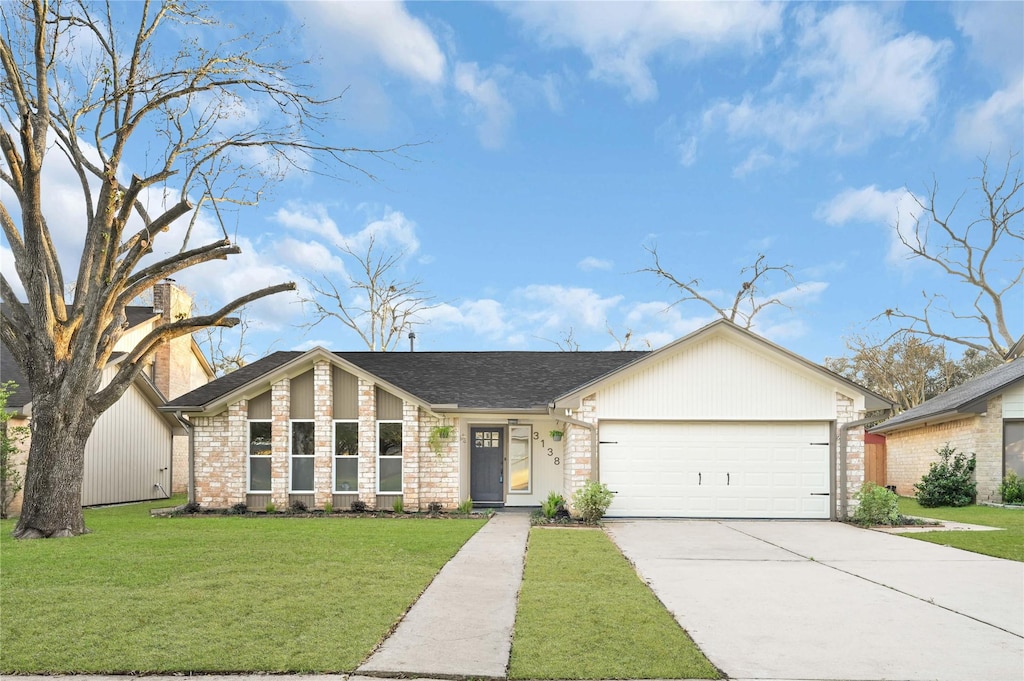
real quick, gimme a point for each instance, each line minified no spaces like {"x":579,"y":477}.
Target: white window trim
{"x":335,"y":457}
{"x":379,"y":457}
{"x":529,"y":461}
{"x":248,"y":457}
{"x":292,"y":457}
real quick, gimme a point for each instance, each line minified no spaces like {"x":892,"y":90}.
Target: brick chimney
{"x":172,"y":362}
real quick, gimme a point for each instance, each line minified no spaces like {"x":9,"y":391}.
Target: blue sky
{"x":561,"y":138}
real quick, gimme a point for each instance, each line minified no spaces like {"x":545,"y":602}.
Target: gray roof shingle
{"x":472,"y":380}
{"x":961,"y":398}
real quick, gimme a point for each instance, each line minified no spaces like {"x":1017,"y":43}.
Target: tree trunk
{"x":52,"y":501}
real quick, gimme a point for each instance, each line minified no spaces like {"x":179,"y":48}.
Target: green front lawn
{"x":1008,"y":543}
{"x":216,"y":594}
{"x":584,"y":614}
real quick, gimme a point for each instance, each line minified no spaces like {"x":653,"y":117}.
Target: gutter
{"x":187,"y":425}
{"x":843,"y":492}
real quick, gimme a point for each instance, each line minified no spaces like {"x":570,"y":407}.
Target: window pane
{"x":346,"y":439}
{"x":519,"y":458}
{"x":1013,"y":455}
{"x":259,"y":474}
{"x":259,"y":438}
{"x":303,"y":438}
{"x":390,"y":437}
{"x":346,"y":474}
{"x":390,"y":471}
{"x":302,"y":474}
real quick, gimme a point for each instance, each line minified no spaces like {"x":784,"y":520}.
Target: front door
{"x":487,"y":464}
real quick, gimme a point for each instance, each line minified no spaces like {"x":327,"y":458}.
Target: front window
{"x":519,"y":451}
{"x":389,"y":457}
{"x":303,"y":447}
{"x":346,"y":456}
{"x":259,"y":456}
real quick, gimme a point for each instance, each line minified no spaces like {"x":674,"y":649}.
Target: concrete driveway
{"x":820,"y":600}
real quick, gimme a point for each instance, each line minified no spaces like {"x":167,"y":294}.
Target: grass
{"x":584,"y":614}
{"x":1008,"y":543}
{"x":213,"y":594}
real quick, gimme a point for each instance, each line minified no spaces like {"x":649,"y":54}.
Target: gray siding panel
{"x":257,"y":502}
{"x":346,"y":394}
{"x":259,"y":406}
{"x":302,"y":396}
{"x":389,"y":407}
{"x":343,"y":502}
{"x":308,"y":499}
{"x":386,"y":502}
{"x":128,"y":455}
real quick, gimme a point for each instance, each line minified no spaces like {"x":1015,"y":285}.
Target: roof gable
{"x":723,"y":342}
{"x":967,"y":398}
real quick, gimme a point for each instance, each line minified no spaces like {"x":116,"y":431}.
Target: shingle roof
{"x":472,"y":380}
{"x":10,"y":371}
{"x":961,"y":398}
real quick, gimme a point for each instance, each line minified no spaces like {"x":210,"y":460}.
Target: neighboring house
{"x":721,"y":423}
{"x":136,"y":451}
{"x":984,"y":416}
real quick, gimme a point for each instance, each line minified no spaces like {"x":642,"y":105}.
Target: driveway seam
{"x":871,"y":581}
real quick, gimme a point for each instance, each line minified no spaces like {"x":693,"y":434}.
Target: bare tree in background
{"x":85,"y":91}
{"x":375,"y":302}
{"x":750,"y":299}
{"x":227,"y":353}
{"x":980,"y":252}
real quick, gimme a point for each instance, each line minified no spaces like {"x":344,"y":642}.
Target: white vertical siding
{"x":128,"y":453}
{"x":131,"y":338}
{"x":720,"y":378}
{"x":1013,"y":401}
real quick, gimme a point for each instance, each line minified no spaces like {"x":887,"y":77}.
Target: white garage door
{"x":716,"y":470}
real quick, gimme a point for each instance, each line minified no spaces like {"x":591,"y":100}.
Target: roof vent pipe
{"x":412,"y":341}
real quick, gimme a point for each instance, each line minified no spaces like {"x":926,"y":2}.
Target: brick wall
{"x":439,"y":472}
{"x":323,"y":416}
{"x":367,"y":443}
{"x":845,"y":413}
{"x":910,"y":452}
{"x":578,"y":466}
{"x":221,"y":447}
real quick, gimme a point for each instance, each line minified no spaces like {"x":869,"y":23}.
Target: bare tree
{"x":750,"y":298}
{"x":227,"y":354}
{"x":906,"y":369}
{"x":982,"y":253}
{"x":85,"y":91}
{"x":375,"y":302}
{"x":626,"y":341}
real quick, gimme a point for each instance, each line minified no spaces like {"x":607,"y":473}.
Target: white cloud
{"x":591,"y":263}
{"x":872,"y":205}
{"x":755,"y":161}
{"x":309,"y":217}
{"x":993,"y":124}
{"x":858,"y":75}
{"x":622,"y":39}
{"x":994,"y":30}
{"x":385,"y":30}
{"x":561,"y":307}
{"x":485,"y":103}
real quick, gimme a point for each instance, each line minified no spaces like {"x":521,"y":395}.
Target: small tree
{"x":751,"y":297}
{"x":10,"y":437}
{"x":591,"y":501}
{"x":949,"y":481}
{"x":374,"y":302}
{"x":876,"y":506}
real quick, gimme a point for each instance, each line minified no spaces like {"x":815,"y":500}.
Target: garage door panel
{"x":724,"y":470}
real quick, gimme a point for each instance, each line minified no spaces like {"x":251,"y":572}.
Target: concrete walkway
{"x":462,"y":624}
{"x":820,"y":600}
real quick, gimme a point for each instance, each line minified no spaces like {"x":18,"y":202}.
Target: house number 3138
{"x":550,"y":451}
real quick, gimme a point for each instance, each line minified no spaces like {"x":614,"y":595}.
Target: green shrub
{"x":1011,"y":490}
{"x":878,"y":506}
{"x":592,"y":501}
{"x":466,"y":507}
{"x":948,"y":482}
{"x":240,"y":508}
{"x":358,"y":506}
{"x":271,"y":507}
{"x":550,"y":506}
{"x":298,"y":506}
{"x":398,"y":506}
{"x":328,"y":508}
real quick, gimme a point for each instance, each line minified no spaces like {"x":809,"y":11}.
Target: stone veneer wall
{"x":221,"y":468}
{"x":910,"y":453}
{"x":578,"y":466}
{"x":323,"y":417}
{"x":439,"y":473}
{"x":854,"y":455}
